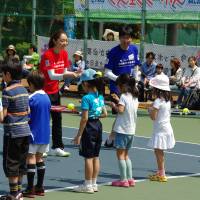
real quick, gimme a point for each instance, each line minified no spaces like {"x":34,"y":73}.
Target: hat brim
{"x":165,"y":88}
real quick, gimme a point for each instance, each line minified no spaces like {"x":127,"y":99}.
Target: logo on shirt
{"x":47,"y":63}
{"x":131,"y":57}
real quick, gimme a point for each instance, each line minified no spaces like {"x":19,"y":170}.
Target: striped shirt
{"x":15,"y":100}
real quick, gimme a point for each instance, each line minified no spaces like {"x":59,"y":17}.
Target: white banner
{"x":136,"y":5}
{"x":97,"y":50}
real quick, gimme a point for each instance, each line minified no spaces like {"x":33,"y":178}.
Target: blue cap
{"x":87,"y":75}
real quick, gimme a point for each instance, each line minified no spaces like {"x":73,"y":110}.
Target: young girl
{"x":89,"y":135}
{"x":162,"y":137}
{"x":124,"y":127}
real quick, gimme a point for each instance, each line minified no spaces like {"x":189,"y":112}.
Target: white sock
{"x":88,"y":182}
{"x":94,"y":181}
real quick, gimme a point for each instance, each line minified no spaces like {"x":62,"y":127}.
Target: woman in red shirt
{"x":54,"y":65}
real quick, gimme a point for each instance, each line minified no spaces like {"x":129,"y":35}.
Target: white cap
{"x":160,"y":82}
{"x":79,"y":53}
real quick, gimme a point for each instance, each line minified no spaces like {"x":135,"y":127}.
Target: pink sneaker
{"x":131,"y":182}
{"x":120,"y":183}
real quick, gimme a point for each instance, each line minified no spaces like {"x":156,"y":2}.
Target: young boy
{"x":16,"y":129}
{"x":40,"y":105}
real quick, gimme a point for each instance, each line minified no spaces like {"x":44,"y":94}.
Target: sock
{"x":40,"y":174}
{"x":88,"y":182}
{"x":19,"y":186}
{"x":129,"y":169}
{"x":94,"y":181}
{"x":30,"y":175}
{"x":13,"y":189}
{"x":122,"y":169}
{"x":161,"y":172}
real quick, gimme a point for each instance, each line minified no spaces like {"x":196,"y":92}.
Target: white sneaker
{"x":95,"y":187}
{"x":44,"y":155}
{"x":59,"y":152}
{"x":19,"y":196}
{"x":84,"y":189}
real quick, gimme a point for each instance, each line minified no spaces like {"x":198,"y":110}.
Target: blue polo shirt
{"x":149,"y":71}
{"x":121,"y":62}
{"x":40,"y":106}
{"x":94,"y":103}
{"x":15,"y":100}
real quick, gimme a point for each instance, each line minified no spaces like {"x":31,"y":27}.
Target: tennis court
{"x":182,"y":164}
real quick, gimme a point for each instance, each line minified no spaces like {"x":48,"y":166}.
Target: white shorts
{"x":38,"y":148}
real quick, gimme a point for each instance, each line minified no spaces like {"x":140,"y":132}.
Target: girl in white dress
{"x":162,"y":137}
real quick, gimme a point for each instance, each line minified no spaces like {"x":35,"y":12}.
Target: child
{"x":16,"y":129}
{"x":124,"y":127}
{"x":163,"y":137}
{"x":40,"y":127}
{"x":90,"y":131}
{"x":159,"y":69}
{"x":78,"y":65}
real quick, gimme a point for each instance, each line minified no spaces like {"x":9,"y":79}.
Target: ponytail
{"x":55,"y":37}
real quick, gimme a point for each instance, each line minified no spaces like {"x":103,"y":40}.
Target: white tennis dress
{"x":163,"y":136}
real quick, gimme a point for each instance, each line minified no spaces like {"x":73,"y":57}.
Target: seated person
{"x":176,"y":74}
{"x":148,"y":70}
{"x":32,"y":60}
{"x":189,"y":81}
{"x":79,"y":65}
{"x":159,"y":69}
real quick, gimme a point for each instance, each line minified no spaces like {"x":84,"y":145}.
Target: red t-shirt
{"x":58,"y":62}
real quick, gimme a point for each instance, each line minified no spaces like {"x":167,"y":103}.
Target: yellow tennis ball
{"x":70,"y":106}
{"x":186,"y":111}
{"x":99,"y":73}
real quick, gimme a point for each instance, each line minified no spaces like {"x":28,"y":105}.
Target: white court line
{"x":109,"y":183}
{"x":179,"y":141}
{"x":147,"y":149}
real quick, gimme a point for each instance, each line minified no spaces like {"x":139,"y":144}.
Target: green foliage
{"x":22,"y":49}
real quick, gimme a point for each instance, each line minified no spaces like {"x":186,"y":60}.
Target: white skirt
{"x":162,"y":138}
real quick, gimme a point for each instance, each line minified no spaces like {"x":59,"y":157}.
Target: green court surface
{"x":177,"y":188}
{"x":182,"y":163}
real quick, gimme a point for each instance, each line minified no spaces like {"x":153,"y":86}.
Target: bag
{"x":193,"y":100}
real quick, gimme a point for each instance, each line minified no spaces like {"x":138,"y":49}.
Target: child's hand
{"x":150,"y":109}
{"x":112,"y":136}
{"x":115,"y":97}
{"x":112,"y":104}
{"x":77,"y":140}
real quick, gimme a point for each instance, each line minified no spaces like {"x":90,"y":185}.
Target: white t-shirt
{"x":162,"y":122}
{"x":125,"y":122}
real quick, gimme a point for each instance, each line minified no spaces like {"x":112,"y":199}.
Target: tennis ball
{"x":185,"y":111}
{"x":99,"y":73}
{"x":70,"y":106}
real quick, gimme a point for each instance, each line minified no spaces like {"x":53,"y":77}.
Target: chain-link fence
{"x":153,"y":21}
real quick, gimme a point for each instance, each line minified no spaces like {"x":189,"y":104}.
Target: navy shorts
{"x":91,"y":139}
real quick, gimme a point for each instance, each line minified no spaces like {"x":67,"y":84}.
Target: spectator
{"x":31,"y":61}
{"x":176,"y":74}
{"x":11,"y":55}
{"x":148,"y":71}
{"x":110,"y":35}
{"x":189,"y":81}
{"x":159,"y":69}
{"x":79,"y":64}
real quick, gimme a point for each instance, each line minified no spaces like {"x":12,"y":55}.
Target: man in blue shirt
{"x":148,"y":71}
{"x":121,"y":59}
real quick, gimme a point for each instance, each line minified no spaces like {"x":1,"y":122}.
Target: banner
{"x":131,"y":9}
{"x":97,"y":50}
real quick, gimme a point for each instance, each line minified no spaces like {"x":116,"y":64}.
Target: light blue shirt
{"x":148,"y":71}
{"x":94,"y":103}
